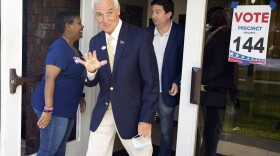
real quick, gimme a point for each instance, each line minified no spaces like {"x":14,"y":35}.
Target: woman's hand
{"x":44,"y":120}
{"x":82,"y":105}
{"x":91,"y":62}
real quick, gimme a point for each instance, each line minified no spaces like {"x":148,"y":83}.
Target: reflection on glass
{"x":251,"y":124}
{"x":217,"y":79}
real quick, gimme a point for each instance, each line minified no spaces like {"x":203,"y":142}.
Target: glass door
{"x":39,"y":32}
{"x":240,"y":108}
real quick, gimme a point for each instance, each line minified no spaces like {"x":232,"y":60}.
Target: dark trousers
{"x":213,"y":117}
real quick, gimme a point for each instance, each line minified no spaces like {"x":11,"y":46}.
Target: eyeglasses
{"x":141,"y":142}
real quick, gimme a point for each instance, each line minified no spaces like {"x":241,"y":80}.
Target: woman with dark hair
{"x":217,"y":80}
{"x":56,"y":97}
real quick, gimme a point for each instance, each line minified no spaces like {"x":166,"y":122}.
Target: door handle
{"x":16,"y":80}
{"x":195,"y":85}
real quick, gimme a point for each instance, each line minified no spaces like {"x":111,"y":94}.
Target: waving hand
{"x":91,"y":62}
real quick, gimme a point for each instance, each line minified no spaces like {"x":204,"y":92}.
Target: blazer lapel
{"x":171,"y":39}
{"x":153,"y":33}
{"x":120,"y":45}
{"x":103,"y":54}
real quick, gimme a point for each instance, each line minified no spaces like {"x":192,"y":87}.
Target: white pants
{"x":101,"y":142}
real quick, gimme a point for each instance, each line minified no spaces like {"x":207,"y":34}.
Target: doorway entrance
{"x":39,"y":32}
{"x":257,"y":85}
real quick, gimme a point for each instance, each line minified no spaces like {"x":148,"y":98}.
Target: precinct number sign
{"x":249,"y":34}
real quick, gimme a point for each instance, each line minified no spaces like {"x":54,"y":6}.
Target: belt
{"x":206,"y":88}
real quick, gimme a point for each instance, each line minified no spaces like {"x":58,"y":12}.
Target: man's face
{"x":107,"y":15}
{"x":160,"y":18}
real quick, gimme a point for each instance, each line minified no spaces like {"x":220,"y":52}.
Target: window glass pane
{"x":249,"y":110}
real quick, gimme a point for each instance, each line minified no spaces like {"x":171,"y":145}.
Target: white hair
{"x":116,"y":3}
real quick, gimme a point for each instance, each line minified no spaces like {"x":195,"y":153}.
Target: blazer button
{"x":107,"y":103}
{"x":111,"y":88}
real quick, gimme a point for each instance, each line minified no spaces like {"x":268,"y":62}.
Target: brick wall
{"x":39,"y":33}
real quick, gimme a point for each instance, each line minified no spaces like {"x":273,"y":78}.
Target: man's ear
{"x":169,"y":14}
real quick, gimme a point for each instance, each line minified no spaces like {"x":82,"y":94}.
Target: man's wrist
{"x":91,"y":76}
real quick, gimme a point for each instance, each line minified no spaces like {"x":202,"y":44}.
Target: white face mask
{"x":140,"y":142}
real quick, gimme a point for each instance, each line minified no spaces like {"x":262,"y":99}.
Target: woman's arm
{"x":51,"y":74}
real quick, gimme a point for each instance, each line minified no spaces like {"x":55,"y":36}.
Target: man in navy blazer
{"x":168,"y":41}
{"x":129,"y":92}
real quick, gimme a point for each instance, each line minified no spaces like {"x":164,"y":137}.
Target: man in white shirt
{"x":168,"y":41}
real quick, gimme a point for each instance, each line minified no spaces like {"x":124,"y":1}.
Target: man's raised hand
{"x":91,"y":62}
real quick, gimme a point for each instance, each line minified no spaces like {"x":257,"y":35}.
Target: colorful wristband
{"x":48,"y":108}
{"x":48,"y":111}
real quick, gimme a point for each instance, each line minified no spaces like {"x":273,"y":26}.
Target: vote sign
{"x":249,"y":34}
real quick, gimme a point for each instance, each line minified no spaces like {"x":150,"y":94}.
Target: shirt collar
{"x":116,"y":32}
{"x":156,"y":32}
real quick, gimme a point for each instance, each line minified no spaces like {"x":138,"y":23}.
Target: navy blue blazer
{"x":132,"y":87}
{"x":172,"y":63}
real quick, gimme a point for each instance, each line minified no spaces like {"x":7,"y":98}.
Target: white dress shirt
{"x":160,"y":42}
